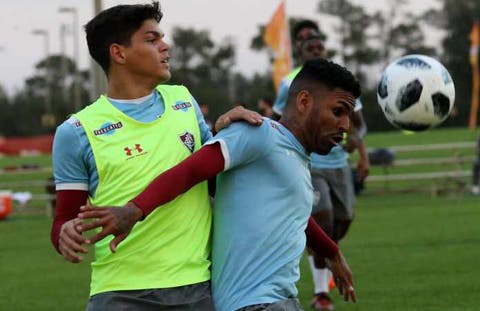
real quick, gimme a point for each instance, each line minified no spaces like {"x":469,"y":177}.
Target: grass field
{"x":408,"y":251}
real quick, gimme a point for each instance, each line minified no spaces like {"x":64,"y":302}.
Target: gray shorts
{"x":284,"y":305}
{"x":333,"y":190}
{"x":195,"y":297}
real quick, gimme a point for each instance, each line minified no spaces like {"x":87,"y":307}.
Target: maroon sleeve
{"x":202,"y":165}
{"x":319,"y":241}
{"x":67,"y":207}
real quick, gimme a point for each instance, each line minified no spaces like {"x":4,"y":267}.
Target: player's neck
{"x":294,"y":126}
{"x":121,"y":86}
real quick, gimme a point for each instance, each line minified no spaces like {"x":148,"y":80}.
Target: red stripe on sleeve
{"x":202,"y":165}
{"x":319,"y":241}
{"x":67,"y":208}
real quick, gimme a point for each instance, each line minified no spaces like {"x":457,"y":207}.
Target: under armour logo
{"x":129,"y":151}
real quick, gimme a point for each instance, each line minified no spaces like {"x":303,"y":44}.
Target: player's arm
{"x":322,"y":245}
{"x":202,"y":165}
{"x":71,"y":193}
{"x":64,"y":236}
{"x":355,"y":141}
{"x":318,"y":241}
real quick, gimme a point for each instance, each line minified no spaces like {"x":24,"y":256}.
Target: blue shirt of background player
{"x":262,"y":204}
{"x":74,"y":165}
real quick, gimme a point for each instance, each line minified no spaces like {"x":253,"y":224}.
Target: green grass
{"x":412,"y":252}
{"x":33,"y":275}
{"x":407,"y":252}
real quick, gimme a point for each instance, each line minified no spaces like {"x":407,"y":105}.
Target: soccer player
{"x":264,"y":194}
{"x":303,"y":30}
{"x":334,"y":196}
{"x":110,"y":151}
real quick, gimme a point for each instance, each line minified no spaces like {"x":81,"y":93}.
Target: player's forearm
{"x":319,"y":241}
{"x":202,"y":165}
{"x":67,"y":207}
{"x":362,"y":152}
{"x":359,"y":124}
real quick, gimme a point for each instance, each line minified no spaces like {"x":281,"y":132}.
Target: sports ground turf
{"x":408,"y":251}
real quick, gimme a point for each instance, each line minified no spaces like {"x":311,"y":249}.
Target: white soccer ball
{"x":416,"y":92}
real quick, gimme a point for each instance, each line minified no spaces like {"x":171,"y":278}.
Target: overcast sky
{"x":235,"y":19}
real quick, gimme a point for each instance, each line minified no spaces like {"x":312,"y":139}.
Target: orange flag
{"x":475,"y":43}
{"x":277,"y":37}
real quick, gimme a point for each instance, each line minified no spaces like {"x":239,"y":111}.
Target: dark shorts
{"x":196,"y":297}
{"x":333,"y":190}
{"x":284,"y":305}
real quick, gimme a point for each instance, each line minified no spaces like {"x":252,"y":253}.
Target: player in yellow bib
{"x":110,"y":151}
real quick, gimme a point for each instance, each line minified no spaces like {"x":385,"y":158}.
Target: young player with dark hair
{"x":108,"y":152}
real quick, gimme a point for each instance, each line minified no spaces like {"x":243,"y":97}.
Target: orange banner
{"x":277,"y":37}
{"x":475,"y":43}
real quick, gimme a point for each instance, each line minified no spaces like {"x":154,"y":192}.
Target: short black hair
{"x":324,"y":72}
{"x":306,"y":23}
{"x":117,"y":25}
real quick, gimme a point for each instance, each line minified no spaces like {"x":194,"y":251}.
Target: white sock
{"x":321,"y":277}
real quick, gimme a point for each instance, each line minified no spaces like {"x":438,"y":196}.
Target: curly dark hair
{"x":117,"y":25}
{"x":325,"y":72}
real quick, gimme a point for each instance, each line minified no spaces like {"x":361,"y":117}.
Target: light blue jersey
{"x":262,"y":204}
{"x":73,"y":162}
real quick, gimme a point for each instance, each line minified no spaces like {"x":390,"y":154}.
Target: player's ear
{"x":117,"y":53}
{"x":304,"y":101}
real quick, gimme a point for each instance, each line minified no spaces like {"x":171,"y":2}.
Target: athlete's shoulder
{"x":70,"y":124}
{"x":69,"y":131}
{"x":172,"y":87}
{"x":244,"y":126}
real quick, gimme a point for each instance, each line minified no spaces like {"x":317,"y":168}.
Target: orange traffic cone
{"x":331,"y":283}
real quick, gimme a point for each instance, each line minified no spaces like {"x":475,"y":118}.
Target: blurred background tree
{"x":365,"y":42}
{"x":455,"y":18}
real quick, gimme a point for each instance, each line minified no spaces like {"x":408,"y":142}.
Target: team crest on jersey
{"x":108,"y":128}
{"x":188,"y":141}
{"x":181,"y":105}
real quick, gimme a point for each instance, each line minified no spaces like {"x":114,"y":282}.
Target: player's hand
{"x":118,"y":221}
{"x":343,"y":276}
{"x":351,"y":144}
{"x":70,"y":241}
{"x":236,"y":114}
{"x":362,"y":169}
